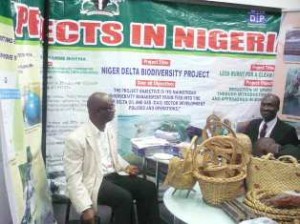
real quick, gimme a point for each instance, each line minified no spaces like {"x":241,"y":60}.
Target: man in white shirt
{"x":95,"y":171}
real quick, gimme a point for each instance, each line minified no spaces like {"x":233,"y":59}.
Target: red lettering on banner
{"x":267,"y":68}
{"x":164,"y":84}
{"x":271,"y":42}
{"x":201,"y":39}
{"x":112,"y":33}
{"x":259,"y":83}
{"x":184,"y":38}
{"x":156,"y":62}
{"x":255,"y":42}
{"x":154,"y":36}
{"x":136,"y":34}
{"x":34,"y":29}
{"x":143,"y":83}
{"x":237,"y":40}
{"x":21,"y":19}
{"x":67,"y":32}
{"x":155,"y":83}
{"x":266,"y":83}
{"x":28,"y":19}
{"x":218,"y":40}
{"x":148,"y":35}
{"x":90,"y":29}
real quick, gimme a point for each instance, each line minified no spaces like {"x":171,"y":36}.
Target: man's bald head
{"x":95,"y":99}
{"x":101,"y":109}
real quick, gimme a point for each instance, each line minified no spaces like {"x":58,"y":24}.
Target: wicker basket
{"x":253,"y":200}
{"x":273,"y":174}
{"x":218,"y":190}
{"x":214,"y":127}
{"x":180,"y":171}
{"x":219,"y":156}
{"x":222,"y":170}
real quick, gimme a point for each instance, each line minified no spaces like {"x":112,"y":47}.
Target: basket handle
{"x":268,"y":156}
{"x":288,"y":159}
{"x":212,"y":117}
{"x":191,"y":149}
{"x":193,"y":144}
{"x":285,"y":158}
{"x":216,"y":123}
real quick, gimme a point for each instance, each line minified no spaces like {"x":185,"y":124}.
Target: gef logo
{"x":257,"y":17}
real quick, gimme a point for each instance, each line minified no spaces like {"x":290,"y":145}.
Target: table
{"x":192,"y":209}
{"x":157,"y":164}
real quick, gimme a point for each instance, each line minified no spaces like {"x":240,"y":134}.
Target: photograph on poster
{"x":163,"y":132}
{"x":291,"y":100}
{"x":292,"y":46}
{"x":31,"y":101}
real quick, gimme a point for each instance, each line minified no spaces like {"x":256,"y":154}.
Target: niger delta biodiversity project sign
{"x":166,"y":64}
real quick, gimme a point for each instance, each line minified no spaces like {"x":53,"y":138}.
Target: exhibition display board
{"x":167,"y":65}
{"x":20,"y":108}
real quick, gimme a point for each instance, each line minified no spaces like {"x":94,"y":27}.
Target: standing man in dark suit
{"x":270,"y":126}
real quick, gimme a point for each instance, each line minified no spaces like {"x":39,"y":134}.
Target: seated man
{"x":271,"y":126}
{"x":94,"y":169}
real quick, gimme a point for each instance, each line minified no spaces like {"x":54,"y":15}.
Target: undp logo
{"x":257,"y":17}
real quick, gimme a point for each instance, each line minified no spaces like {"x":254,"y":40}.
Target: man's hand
{"x":132,"y":170}
{"x":266,"y":145}
{"x":88,"y":216}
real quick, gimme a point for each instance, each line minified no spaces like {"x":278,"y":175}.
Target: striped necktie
{"x":263,"y":131}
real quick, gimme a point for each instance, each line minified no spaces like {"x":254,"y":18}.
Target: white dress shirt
{"x":271,"y":124}
{"x":103,"y":146}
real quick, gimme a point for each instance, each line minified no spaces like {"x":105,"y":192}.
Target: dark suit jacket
{"x":292,"y":150}
{"x":282,"y":133}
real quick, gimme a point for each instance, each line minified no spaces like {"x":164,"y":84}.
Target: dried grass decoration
{"x":220,"y":165}
{"x":257,"y":200}
{"x":180,"y":171}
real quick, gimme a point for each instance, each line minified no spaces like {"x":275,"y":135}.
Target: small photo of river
{"x":292,"y":46}
{"x":291,"y":102}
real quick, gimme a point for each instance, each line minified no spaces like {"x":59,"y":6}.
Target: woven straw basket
{"x":220,"y":162}
{"x":217,"y":190}
{"x":180,"y":171}
{"x":273,"y":174}
{"x":222,"y":182}
{"x":283,"y":216}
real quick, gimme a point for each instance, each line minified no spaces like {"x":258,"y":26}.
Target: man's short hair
{"x":272,"y":95}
